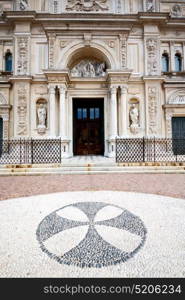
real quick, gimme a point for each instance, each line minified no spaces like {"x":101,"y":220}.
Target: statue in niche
{"x":23,"y":4}
{"x":87,"y":68}
{"x":150,"y":6}
{"x":134,"y":119}
{"x":42,"y":115}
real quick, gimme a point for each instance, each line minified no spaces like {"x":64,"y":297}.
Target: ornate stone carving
{"x":134,"y":118}
{"x":152,"y":57}
{"x":23,"y":5}
{"x":2,"y":100}
{"x":22,"y":63}
{"x":152,"y":110}
{"x":177,"y":98}
{"x":176,"y":10}
{"x":52,"y":39}
{"x":123,"y":48}
{"x":22,"y":110}
{"x":89,"y":68}
{"x":150,"y":5}
{"x":42,"y":115}
{"x":87,"y":5}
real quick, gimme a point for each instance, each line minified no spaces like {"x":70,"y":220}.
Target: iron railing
{"x":30,"y":151}
{"x":150,"y":150}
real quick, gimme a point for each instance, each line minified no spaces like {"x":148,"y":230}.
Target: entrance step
{"x":43,"y":170}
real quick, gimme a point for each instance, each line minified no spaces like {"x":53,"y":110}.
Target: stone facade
{"x":107,"y":49}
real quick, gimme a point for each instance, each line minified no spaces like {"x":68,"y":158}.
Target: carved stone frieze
{"x":88,"y":68}
{"x":176,"y":10}
{"x":152,"y":56}
{"x":152,"y":111}
{"x":22,"y":110}
{"x":123,"y":49}
{"x":177,"y":97}
{"x":88,"y":5}
{"x":22,"y":60}
{"x":52,"y":39}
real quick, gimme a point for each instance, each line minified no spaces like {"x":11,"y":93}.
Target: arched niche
{"x":41,"y":115}
{"x":134,"y":115}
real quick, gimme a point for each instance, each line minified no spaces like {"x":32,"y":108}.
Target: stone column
{"x":123,"y":112}
{"x":52,"y":105}
{"x":113,"y":113}
{"x":62,"y":122}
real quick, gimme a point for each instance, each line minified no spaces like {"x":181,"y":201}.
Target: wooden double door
{"x":178,"y":134}
{"x":88,"y":126}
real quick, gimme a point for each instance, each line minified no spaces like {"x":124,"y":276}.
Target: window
{"x":178,"y":62}
{"x":8,"y":62}
{"x":82,"y":113}
{"x":165,"y":62}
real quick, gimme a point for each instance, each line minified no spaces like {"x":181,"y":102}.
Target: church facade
{"x":89,"y":71}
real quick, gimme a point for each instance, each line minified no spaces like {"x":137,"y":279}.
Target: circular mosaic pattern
{"x":91,"y":234}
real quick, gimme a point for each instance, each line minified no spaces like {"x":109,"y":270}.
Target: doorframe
{"x":102,"y":99}
{"x":94,"y":94}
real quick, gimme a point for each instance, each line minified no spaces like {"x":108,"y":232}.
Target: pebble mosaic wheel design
{"x":91,"y":234}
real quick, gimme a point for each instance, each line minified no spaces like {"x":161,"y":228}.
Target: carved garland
{"x":91,"y":5}
{"x":22,"y":63}
{"x":152,"y":57}
{"x":152,"y":110}
{"x":22,"y":110}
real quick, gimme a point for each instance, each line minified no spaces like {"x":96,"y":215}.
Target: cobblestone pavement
{"x":92,"y":234}
{"x":162,"y":184}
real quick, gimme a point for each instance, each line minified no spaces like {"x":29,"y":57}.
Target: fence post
{"x":143,"y":149}
{"x":31,"y":151}
{"x":154,"y":150}
{"x":20,"y":149}
{"x":60,"y":141}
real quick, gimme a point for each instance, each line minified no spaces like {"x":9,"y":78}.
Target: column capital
{"x":124,"y":89}
{"x":113,"y":89}
{"x":62,"y":88}
{"x":51,"y":89}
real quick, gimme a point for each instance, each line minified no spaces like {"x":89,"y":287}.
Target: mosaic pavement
{"x":92,"y":234}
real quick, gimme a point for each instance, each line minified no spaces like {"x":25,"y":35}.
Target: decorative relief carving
{"x":152,"y":57}
{"x":150,"y":5}
{"x":52,"y":39}
{"x":152,"y":110}
{"x":89,"y":68}
{"x":123,"y":48}
{"x":23,"y":5}
{"x":176,"y":10}
{"x":22,"y":63}
{"x":177,"y":98}
{"x":2,"y":100}
{"x":87,"y":5}
{"x":22,"y":110}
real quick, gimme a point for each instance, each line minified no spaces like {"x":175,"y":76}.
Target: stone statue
{"x":42,"y":114}
{"x":134,"y":119}
{"x":23,"y":4}
{"x":150,"y":6}
{"x":100,"y":71}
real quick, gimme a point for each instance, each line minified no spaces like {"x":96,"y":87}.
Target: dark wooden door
{"x":1,"y":135}
{"x":178,"y":134}
{"x":88,"y":126}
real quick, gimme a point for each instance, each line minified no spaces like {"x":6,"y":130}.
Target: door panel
{"x":178,"y":134}
{"x":88,"y":126}
{"x":1,"y":135}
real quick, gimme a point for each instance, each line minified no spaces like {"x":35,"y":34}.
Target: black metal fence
{"x":32,"y":151}
{"x":150,"y":150}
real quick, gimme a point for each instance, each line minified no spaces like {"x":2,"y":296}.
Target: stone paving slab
{"x":92,"y":234}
